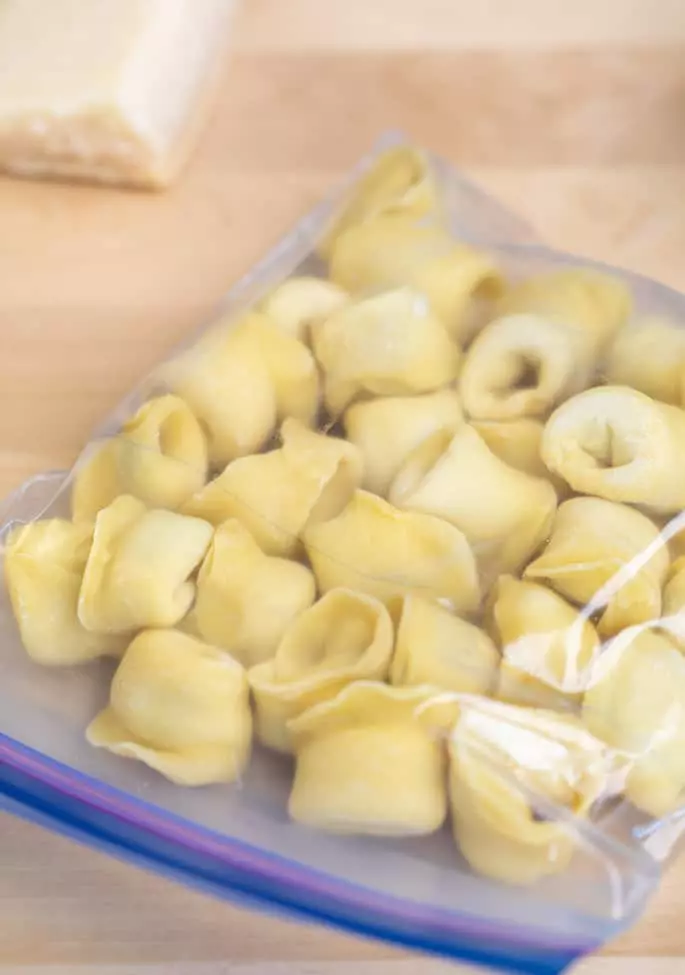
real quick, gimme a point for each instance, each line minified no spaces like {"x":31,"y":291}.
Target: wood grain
{"x":571,"y":113}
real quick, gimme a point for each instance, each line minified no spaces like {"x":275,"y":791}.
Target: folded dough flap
{"x":649,"y":355}
{"x":301,"y":302}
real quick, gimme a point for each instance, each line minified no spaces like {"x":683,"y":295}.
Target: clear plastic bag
{"x":462,"y":619}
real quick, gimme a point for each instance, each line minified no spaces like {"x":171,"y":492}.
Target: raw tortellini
{"x":607,"y":558}
{"x":504,"y":513}
{"x":650,"y":356}
{"x":617,"y":443}
{"x":344,"y":637}
{"x":375,"y":548}
{"x":511,"y":771}
{"x":387,"y":345}
{"x":245,"y":599}
{"x":44,"y":565}
{"x":160,"y":457}
{"x":435,"y":647}
{"x":298,"y":303}
{"x":637,"y":705}
{"x":180,"y":706}
{"x":139,"y":567}
{"x":387,"y":430}
{"x":547,"y":646}
{"x":368,"y":761}
{"x":276,"y":495}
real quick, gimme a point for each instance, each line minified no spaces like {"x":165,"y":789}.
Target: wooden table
{"x":573,"y":113}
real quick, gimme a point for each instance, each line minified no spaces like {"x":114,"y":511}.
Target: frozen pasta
{"x":44,"y":565}
{"x":607,"y":558}
{"x":181,"y":707}
{"x":300,"y":302}
{"x":375,"y":548}
{"x":650,"y":356}
{"x":344,"y":637}
{"x":276,"y":495}
{"x":368,"y":761}
{"x":160,"y":457}
{"x":139,"y":567}
{"x":246,"y":600}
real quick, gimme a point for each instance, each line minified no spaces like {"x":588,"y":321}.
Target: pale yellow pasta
{"x":637,"y":705}
{"x":649,"y":356}
{"x":518,"y":443}
{"x":510,"y":767}
{"x":673,"y":608}
{"x":617,"y":443}
{"x":179,"y":706}
{"x":344,"y":637}
{"x":523,"y":365}
{"x":298,"y":303}
{"x":139,"y":567}
{"x":504,"y":513}
{"x":44,"y":564}
{"x":398,"y":182}
{"x":387,"y":430}
{"x":277,"y":494}
{"x":245,"y":599}
{"x":226,"y":382}
{"x":376,"y":548}
{"x":435,"y":647}
{"x":160,"y":457}
{"x":393,"y":250}
{"x":606,"y":557}
{"x":547,"y":646}
{"x":595,"y":304}
{"x":387,"y":345}
{"x":368,"y":763}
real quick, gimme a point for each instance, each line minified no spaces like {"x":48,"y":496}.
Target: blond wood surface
{"x":573,"y":113}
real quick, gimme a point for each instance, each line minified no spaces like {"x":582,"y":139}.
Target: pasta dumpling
{"x":637,"y":705}
{"x":245,"y":599}
{"x":649,"y":356}
{"x":674,"y":601}
{"x":277,"y":494}
{"x":606,"y":557}
{"x":138,"y":568}
{"x":387,"y":430}
{"x":504,"y":513}
{"x":375,"y":548}
{"x":387,"y":345}
{"x":368,"y":762}
{"x":547,"y":645}
{"x":518,"y":443}
{"x":523,"y":365}
{"x":510,"y":768}
{"x":179,"y":706}
{"x":44,"y":564}
{"x":160,"y":457}
{"x":344,"y":637}
{"x":298,"y":303}
{"x":617,"y":443}
{"x":435,"y":647}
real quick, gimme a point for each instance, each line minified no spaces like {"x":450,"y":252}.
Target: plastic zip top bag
{"x":368,"y":606}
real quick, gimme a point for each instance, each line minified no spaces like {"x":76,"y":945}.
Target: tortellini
{"x":344,"y":637}
{"x":179,"y":706}
{"x":523,"y":365}
{"x":160,"y":457}
{"x":637,"y":705}
{"x":650,"y":356}
{"x":674,"y":601}
{"x":245,"y":599}
{"x":504,"y":513}
{"x":387,"y":430}
{"x":375,"y":548}
{"x":616,"y":443}
{"x":607,"y":558}
{"x":518,"y":443}
{"x":435,"y":647}
{"x":547,"y":645}
{"x":510,"y":768}
{"x":388,"y":345}
{"x":369,"y":762}
{"x":298,"y":303}
{"x":44,"y":564}
{"x":139,"y":567}
{"x":309,"y":478}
